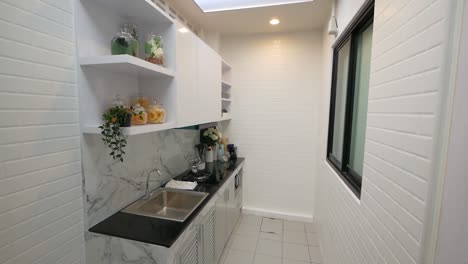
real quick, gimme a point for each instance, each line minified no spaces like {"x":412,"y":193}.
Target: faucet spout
{"x":147,"y":189}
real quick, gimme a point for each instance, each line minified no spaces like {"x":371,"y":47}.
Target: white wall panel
{"x":409,"y":73}
{"x":41,"y":206}
{"x":276,"y":79}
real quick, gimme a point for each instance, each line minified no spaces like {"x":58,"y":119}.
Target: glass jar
{"x":133,"y":29}
{"x":139,"y":116}
{"x":154,"y":49}
{"x":156,"y":113}
{"x":124,"y":42}
{"x":143,"y":101}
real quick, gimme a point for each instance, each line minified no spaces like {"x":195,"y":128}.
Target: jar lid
{"x":138,"y":108}
{"x":118,"y":101}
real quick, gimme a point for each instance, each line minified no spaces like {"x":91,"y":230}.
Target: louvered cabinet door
{"x":191,"y":253}
{"x":208,"y":232}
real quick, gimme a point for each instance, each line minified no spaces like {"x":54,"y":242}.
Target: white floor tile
{"x":294,"y":226}
{"x":313,"y":239}
{"x":239,"y":257}
{"x":251,"y":220}
{"x":263,"y":259}
{"x":270,"y":248}
{"x":248,"y":230}
{"x":295,"y":237}
{"x":311,"y":228}
{"x":242,"y":242}
{"x":272,"y":225}
{"x":315,"y":254}
{"x":296,"y":252}
{"x":290,"y":261}
{"x":271,"y":236}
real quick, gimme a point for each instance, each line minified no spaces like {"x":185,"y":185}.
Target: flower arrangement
{"x":210,"y":136}
{"x":112,"y":136}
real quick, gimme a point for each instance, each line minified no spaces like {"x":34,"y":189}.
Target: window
{"x":348,"y":105}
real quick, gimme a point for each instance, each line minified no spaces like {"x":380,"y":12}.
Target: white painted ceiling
{"x":294,"y":17}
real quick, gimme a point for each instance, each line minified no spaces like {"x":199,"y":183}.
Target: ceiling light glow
{"x":183,"y":30}
{"x":274,"y":21}
{"x":224,"y":5}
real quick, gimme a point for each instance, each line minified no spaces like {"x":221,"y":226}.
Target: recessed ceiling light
{"x":223,"y":5}
{"x":274,"y":21}
{"x":183,"y":30}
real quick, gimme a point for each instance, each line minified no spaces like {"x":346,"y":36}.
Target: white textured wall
{"x":407,"y":87}
{"x":41,"y":217}
{"x":275,"y":79}
{"x":453,"y":234}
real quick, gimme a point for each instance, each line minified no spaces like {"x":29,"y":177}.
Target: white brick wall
{"x":407,"y":87}
{"x":276,"y":79}
{"x":40,"y":168}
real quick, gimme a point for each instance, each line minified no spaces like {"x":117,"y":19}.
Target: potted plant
{"x":112,"y":136}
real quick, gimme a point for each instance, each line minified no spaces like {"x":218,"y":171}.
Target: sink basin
{"x":169,"y":204}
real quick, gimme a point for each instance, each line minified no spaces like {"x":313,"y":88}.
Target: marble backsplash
{"x":110,"y":186}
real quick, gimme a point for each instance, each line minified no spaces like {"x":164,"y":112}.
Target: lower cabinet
{"x":191,"y":252}
{"x":221,"y":224}
{"x":207,"y":244}
{"x":227,"y":212}
{"x":208,"y":238}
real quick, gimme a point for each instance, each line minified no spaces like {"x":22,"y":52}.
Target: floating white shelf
{"x":226,"y":116}
{"x":134,"y":130}
{"x":140,"y":12}
{"x":226,"y":84}
{"x":226,"y":100}
{"x":126,"y":64}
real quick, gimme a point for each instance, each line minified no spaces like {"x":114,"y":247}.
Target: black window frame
{"x":363,"y":20}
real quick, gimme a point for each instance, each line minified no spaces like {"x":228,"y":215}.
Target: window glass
{"x":340,"y":101}
{"x":361,"y":91}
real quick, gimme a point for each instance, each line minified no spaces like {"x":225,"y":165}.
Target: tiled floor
{"x":260,"y":240}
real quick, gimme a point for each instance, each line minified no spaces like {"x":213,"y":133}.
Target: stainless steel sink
{"x":170,"y":204}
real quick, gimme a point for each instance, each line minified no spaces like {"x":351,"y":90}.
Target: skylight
{"x":223,"y":5}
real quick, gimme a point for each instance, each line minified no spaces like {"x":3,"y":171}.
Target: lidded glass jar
{"x":154,"y":49}
{"x":142,"y":100}
{"x":139,"y":116}
{"x":156,"y":113}
{"x":133,"y":29}
{"x":124,"y":42}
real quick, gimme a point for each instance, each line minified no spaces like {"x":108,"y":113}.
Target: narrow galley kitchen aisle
{"x":263,"y":240}
{"x":233,"y":132}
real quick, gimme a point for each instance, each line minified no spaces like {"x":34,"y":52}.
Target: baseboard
{"x":280,"y":215}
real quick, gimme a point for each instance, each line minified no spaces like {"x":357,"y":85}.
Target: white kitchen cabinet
{"x":187,"y":88}
{"x":209,"y":79}
{"x":231,"y":207}
{"x":198,"y":80}
{"x":208,"y":238}
{"x":221,"y":226}
{"x":191,"y":252}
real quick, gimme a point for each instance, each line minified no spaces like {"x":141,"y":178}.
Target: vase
{"x":209,"y":154}
{"x":215,"y":152}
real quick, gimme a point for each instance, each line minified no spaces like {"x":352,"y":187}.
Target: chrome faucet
{"x":147,"y":190}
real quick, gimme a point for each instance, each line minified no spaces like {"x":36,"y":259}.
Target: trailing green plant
{"x":112,"y":136}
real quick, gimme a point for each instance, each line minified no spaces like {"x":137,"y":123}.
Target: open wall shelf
{"x":226,"y":94}
{"x":138,"y":11}
{"x":126,"y":64}
{"x":134,"y":130}
{"x":102,"y":76}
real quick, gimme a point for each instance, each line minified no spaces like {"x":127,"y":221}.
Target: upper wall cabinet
{"x":198,"y":80}
{"x":209,"y":79}
{"x":187,"y":88}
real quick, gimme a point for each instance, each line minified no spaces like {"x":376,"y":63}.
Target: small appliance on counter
{"x":232,"y":152}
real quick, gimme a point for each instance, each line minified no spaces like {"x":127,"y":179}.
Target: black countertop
{"x":159,"y":231}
